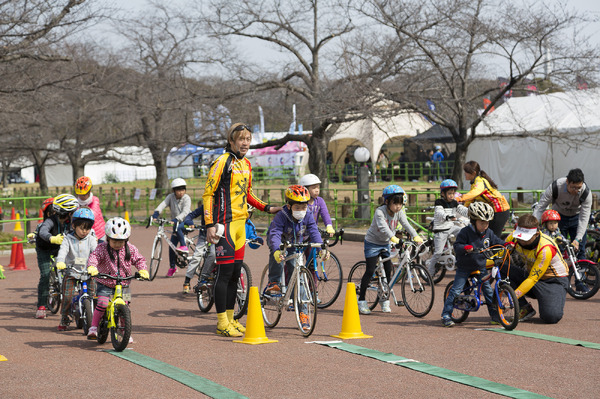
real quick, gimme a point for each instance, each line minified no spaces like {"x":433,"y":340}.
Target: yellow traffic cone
{"x":3,"y":359}
{"x":255,"y":325}
{"x":351,"y":319}
{"x":18,"y":226}
{"x":126,"y":216}
{"x":2,"y":276}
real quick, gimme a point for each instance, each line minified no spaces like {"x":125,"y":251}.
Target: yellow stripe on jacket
{"x":482,"y":191}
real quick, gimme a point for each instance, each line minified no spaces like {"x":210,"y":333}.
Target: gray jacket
{"x":384,"y":226}
{"x":75,"y":252}
{"x":179,"y":208}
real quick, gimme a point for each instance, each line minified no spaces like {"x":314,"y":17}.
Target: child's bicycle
{"x":117,"y":318}
{"x":181,"y":259}
{"x":416,"y":285}
{"x":471,"y":297}
{"x":328,"y":273}
{"x":299,"y":291}
{"x":446,"y":262}
{"x":55,"y":288}
{"x":82,"y":305}
{"x":584,"y":275}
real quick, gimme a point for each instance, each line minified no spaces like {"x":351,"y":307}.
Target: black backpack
{"x":582,"y":197}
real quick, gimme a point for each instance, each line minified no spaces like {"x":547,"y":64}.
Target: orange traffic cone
{"x":13,"y":254}
{"x":18,"y":226}
{"x":12,"y":214}
{"x":255,"y":325}
{"x":351,"y":319}
{"x":20,"y":258}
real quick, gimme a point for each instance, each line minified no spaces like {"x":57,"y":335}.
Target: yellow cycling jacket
{"x":482,"y":191}
{"x":228,"y":190}
{"x":543,"y":262}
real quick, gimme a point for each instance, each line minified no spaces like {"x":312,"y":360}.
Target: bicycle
{"x":416,"y":284}
{"x":584,"y":275}
{"x":82,"y":305}
{"x":55,"y":295}
{"x":300,"y":290}
{"x":117,"y":318}
{"x":327,"y":273}
{"x":181,"y":259}
{"x":470,"y":298}
{"x":592,"y":245}
{"x":446,"y":262}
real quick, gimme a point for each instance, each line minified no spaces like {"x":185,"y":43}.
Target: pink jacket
{"x":98,"y":218}
{"x":101,"y":260}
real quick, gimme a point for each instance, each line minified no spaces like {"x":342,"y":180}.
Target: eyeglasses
{"x":240,"y":128}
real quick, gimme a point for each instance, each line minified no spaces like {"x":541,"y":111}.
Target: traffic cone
{"x":126,"y":217}
{"x":255,"y":325}
{"x":20,"y":264}
{"x":41,"y":216}
{"x":3,"y":358}
{"x":2,"y":276}
{"x":13,"y":254}
{"x":12,"y":214}
{"x":351,"y":319}
{"x":18,"y":226}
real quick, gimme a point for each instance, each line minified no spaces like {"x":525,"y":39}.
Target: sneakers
{"x":130,"y":339}
{"x":363,"y":307}
{"x":171,"y":272}
{"x":237,"y":325}
{"x":385,"y":307}
{"x":41,"y":313}
{"x":580,"y":286}
{"x":273,"y":288}
{"x":229,"y":331}
{"x":64,"y":323}
{"x":203,"y":285}
{"x":183,"y":248}
{"x":93,"y":333}
{"x":304,"y":321}
{"x":186,"y":288}
{"x":447,"y":322}
{"x":527,"y":313}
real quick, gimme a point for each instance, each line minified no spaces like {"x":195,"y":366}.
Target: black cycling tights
{"x":226,"y":285}
{"x":366,"y":278}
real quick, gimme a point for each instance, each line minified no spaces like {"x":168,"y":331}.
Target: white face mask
{"x":298,"y":215}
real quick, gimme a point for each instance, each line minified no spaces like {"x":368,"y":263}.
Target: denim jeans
{"x":460,"y":279}
{"x":568,"y":227}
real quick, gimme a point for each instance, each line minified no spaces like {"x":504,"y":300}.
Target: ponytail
{"x":473,"y":167}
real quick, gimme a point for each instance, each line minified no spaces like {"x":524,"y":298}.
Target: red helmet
{"x":550,"y":215}
{"x":83,"y":185}
{"x":47,"y":202}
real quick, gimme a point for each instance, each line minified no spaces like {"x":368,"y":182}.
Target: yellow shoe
{"x":229,"y":331}
{"x":238,"y":326}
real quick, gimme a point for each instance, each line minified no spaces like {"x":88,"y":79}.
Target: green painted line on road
{"x":200,"y":384}
{"x":544,"y":337}
{"x":475,"y":382}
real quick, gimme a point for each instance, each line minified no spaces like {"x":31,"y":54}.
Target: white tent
{"x":530,"y":141}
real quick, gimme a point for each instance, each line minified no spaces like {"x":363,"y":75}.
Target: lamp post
{"x":361,"y":155}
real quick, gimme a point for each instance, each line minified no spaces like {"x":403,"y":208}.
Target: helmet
{"x":297,"y":194}
{"x":64,"y":203}
{"x":178,"y":182}
{"x":391,"y":190}
{"x":481,"y":211}
{"x":47,"y":202}
{"x":117,"y":228}
{"x":309,"y":180}
{"x":83,"y":185}
{"x":549,"y":215}
{"x":437,"y":147}
{"x":83,"y":213}
{"x":448,"y":183}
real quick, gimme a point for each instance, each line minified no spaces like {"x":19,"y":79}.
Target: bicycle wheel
{"x":458,"y":315}
{"x":440,"y":273}
{"x":270,"y":304}
{"x":54,"y":292}
{"x":588,"y":286}
{"x":329,"y":278}
{"x":243,"y":292}
{"x":206,"y":298}
{"x":103,"y":329}
{"x":507,"y":305}
{"x":592,"y":251}
{"x":418,"y":290}
{"x":156,"y":257}
{"x":120,"y":333}
{"x":372,"y":293}
{"x":87,"y":315}
{"x":305,"y":302}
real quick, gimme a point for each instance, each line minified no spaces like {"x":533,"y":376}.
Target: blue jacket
{"x":469,"y":236}
{"x":285,"y":228}
{"x":252,"y":235}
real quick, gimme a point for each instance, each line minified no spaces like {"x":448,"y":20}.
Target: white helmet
{"x":178,"y":182}
{"x":117,"y":228}
{"x":309,"y":180}
{"x":481,"y":211}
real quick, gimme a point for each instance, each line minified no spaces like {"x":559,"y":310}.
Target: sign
{"x":136,"y":195}
{"x":152,"y":194}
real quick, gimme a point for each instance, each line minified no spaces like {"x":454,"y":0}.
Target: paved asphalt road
{"x":44,"y":363}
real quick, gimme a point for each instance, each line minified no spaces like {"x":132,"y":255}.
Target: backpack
{"x":582,"y":197}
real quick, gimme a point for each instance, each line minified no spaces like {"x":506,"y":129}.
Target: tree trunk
{"x":460,"y":157}
{"x":43,"y":180}
{"x":160,"y":163}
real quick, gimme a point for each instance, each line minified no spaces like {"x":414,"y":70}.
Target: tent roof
{"x":437,"y":133}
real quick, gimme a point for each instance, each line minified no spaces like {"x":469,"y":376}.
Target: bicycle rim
{"x":305,"y":302}
{"x":243,"y":291}
{"x":120,"y":333}
{"x":457,"y":315}
{"x":418,"y":290}
{"x":156,"y":257}
{"x":588,"y":286}
{"x":87,"y":315}
{"x":328,"y":278}
{"x":507,"y":306}
{"x":270,"y":305}
{"x":205,"y":299}
{"x":355,"y":276}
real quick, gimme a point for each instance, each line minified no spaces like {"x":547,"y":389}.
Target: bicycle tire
{"x":418,"y":290}
{"x":120,"y":333}
{"x":589,"y":284}
{"x":507,"y":305}
{"x":155,"y":258}
{"x":86,"y":315}
{"x":269,"y":305}
{"x":103,"y":330}
{"x":440,"y":273}
{"x":329,"y":284}
{"x":206,"y":298}
{"x":305,"y":300}
{"x":77,"y":313}
{"x":458,"y":315}
{"x":355,"y":276}
{"x":54,"y":292}
{"x":243,"y":292}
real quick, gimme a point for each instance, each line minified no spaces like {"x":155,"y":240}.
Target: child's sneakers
{"x":93,"y":333}
{"x":186,"y":288}
{"x":171,"y":272}
{"x":64,"y":323}
{"x":183,"y":248}
{"x":527,"y":313}
{"x":304,"y":321}
{"x":41,"y":313}
{"x":363,"y":307}
{"x":385,"y":307}
{"x":447,"y":322}
{"x":273,"y":288}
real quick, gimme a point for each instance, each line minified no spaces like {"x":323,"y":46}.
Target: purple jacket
{"x":285,"y":228}
{"x":319,"y":208}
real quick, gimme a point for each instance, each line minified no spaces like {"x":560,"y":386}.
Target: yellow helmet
{"x":297,"y":194}
{"x":83,"y":185}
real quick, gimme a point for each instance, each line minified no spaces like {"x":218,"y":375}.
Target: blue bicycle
{"x":82,"y":309}
{"x":327,"y":273}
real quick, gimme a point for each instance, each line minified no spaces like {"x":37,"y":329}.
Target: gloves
{"x":395,"y":240}
{"x":155,"y":215}
{"x":324,"y":254}
{"x":30,"y":236}
{"x":329,"y":229}
{"x":61,"y":265}
{"x":418,"y":239}
{"x":278,"y":255}
{"x":144,"y":274}
{"x":260,"y":240}
{"x":468,"y":248}
{"x":57,"y":239}
{"x":92,"y":271}
{"x":509,"y":244}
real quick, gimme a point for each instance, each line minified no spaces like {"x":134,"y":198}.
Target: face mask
{"x":298,"y":215}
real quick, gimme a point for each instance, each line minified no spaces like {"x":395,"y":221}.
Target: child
{"x":290,"y":224}
{"x":476,"y":235}
{"x":74,"y":252}
{"x":550,"y":219}
{"x":445,"y":213}
{"x":115,"y":256}
{"x":378,"y":237}
{"x":316,"y":204}
{"x":47,"y":243}
{"x":83,"y":187}
{"x":194,"y":262}
{"x":180,"y":204}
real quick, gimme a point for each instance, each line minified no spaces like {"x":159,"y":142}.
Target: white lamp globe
{"x":362,"y":154}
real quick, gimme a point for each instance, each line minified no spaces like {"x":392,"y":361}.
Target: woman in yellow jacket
{"x":483,"y":189}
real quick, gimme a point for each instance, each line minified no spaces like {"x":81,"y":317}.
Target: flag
{"x":431,"y":106}
{"x":486,"y":103}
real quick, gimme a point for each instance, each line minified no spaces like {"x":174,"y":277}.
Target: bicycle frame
{"x":401,"y":268}
{"x":116,"y":299}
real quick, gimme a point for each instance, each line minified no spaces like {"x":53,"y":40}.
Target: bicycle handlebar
{"x":338,"y":236}
{"x":287,"y":244}
{"x":119,"y":278}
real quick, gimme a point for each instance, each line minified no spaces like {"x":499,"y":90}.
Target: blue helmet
{"x":448,"y":183}
{"x":392,"y":189}
{"x":83,"y":214}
